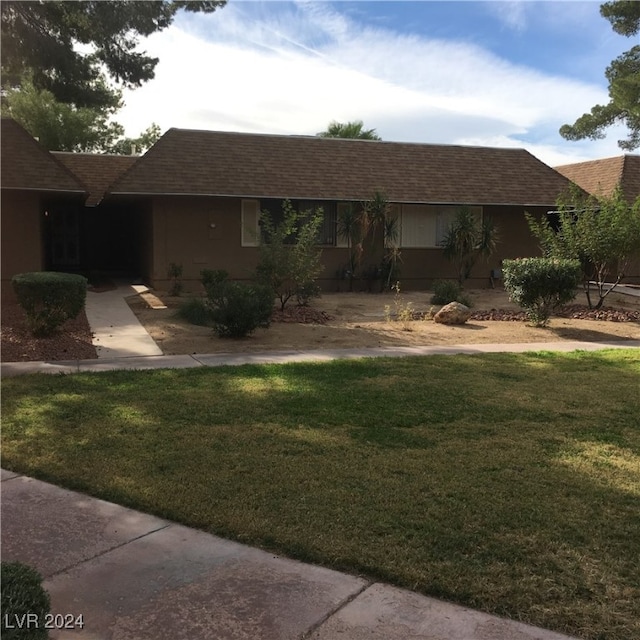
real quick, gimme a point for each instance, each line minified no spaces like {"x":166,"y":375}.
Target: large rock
{"x":453,"y":313}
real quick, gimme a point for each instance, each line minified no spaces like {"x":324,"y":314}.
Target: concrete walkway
{"x":320,"y":355}
{"x":117,"y":332}
{"x":134,"y":576}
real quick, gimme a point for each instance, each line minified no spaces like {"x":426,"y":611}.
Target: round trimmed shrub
{"x":22,"y":594}
{"x":49,"y":298}
{"x":541,"y":285}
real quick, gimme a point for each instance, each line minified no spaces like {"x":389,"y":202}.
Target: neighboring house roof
{"x":97,"y":171}
{"x":601,"y":177}
{"x":187,"y":162}
{"x":27,"y":165}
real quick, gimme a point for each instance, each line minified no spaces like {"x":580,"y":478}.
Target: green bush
{"x":23,"y":594}
{"x":175,"y":274}
{"x":196,"y":311}
{"x":212,"y":277}
{"x":49,"y":298}
{"x":237,"y":309}
{"x":446,"y":291}
{"x":541,"y":285}
{"x":289,"y":258}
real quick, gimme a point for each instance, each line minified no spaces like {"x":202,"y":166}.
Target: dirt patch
{"x":71,"y":342}
{"x":337,"y":320}
{"x":342,"y":320}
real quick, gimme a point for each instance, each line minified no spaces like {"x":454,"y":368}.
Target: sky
{"x":499,"y":74}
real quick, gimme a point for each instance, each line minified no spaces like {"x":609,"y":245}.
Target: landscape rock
{"x":453,"y":313}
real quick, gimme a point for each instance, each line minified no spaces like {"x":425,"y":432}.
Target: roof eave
{"x":46,"y":190}
{"x":333,"y":198}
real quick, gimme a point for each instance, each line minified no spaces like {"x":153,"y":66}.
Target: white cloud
{"x":512,"y":13}
{"x":293,"y":68}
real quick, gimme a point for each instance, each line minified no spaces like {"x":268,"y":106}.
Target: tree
{"x":623,"y":75}
{"x":603,"y":233}
{"x":43,"y":37}
{"x":467,"y":239}
{"x":354,"y":129}
{"x":63,"y":127}
{"x":71,"y":60}
{"x":359,"y":226}
{"x":289,"y":260}
{"x":348,"y":228}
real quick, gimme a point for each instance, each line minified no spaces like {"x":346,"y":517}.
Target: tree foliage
{"x":623,"y":75}
{"x":64,"y":127}
{"x":44,"y":37}
{"x":468,"y":238}
{"x":289,"y":258}
{"x":64,"y":65}
{"x":360,"y":225}
{"x":353,"y":129}
{"x":602,"y":233}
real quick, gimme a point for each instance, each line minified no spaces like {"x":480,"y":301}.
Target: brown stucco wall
{"x":21,"y":236}
{"x":182,"y":232}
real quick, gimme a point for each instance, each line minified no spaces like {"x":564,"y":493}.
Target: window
{"x":445,"y":215}
{"x":418,"y":226}
{"x":327,"y":231}
{"x":250,"y":235}
{"x":342,"y":209}
{"x":425,"y":225}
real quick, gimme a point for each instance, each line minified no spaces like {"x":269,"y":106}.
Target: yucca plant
{"x":467,"y":239}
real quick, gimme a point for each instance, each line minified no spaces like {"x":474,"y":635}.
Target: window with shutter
{"x":250,"y":223}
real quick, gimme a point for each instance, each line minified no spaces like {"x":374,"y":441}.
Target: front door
{"x":64,"y":237}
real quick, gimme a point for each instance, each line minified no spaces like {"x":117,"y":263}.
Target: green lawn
{"x":509,"y":483}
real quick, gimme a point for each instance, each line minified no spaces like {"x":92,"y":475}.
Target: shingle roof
{"x":601,"y":177}
{"x":28,"y":165}
{"x":97,"y":171}
{"x":254,"y":165}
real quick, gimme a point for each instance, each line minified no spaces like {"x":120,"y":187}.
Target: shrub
{"x":22,"y":594}
{"x":237,"y":309}
{"x":446,"y":291}
{"x":175,"y":274}
{"x":289,"y":259}
{"x":541,"y":285}
{"x":49,"y":298}
{"x":602,"y":232}
{"x":196,"y":311}
{"x":468,"y":238}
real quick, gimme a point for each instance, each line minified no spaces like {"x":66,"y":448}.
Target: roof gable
{"x":97,"y":171}
{"x":601,"y":177}
{"x":188,"y":162}
{"x":27,"y":165}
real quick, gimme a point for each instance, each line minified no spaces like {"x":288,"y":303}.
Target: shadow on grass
{"x":503,"y":482}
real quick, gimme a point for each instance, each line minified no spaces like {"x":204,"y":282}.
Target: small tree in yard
{"x":467,"y":239}
{"x":602,"y":233}
{"x":360,"y":226}
{"x":349,"y":229}
{"x":289,"y":259}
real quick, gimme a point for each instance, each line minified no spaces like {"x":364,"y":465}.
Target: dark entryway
{"x":102,"y":241}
